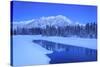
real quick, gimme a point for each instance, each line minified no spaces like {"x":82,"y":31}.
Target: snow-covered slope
{"x":51,"y":21}
{"x":42,"y":22}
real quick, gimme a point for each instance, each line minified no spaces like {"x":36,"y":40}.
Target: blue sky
{"x":23,"y":11}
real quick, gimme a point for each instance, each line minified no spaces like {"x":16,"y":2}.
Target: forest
{"x":88,"y":30}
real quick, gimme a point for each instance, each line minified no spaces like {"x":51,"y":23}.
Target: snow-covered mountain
{"x":42,"y":22}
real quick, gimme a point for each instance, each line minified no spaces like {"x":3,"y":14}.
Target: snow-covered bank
{"x":75,"y":41}
{"x":81,"y":42}
{"x":25,"y":52}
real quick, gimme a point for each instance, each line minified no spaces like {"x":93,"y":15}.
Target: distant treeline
{"x":88,"y":31}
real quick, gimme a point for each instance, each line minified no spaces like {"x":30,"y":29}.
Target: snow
{"x":75,"y":41}
{"x":25,"y":52}
{"x":42,"y":22}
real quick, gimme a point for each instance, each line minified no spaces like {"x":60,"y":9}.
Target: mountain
{"x":42,"y":22}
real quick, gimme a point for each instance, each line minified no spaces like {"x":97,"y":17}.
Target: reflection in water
{"x":63,"y":53}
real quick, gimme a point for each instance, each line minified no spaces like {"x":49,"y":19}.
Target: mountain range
{"x":42,"y":22}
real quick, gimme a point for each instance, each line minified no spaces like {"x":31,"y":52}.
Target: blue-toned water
{"x":65,"y":53}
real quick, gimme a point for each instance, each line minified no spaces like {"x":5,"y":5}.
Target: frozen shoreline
{"x":25,"y":52}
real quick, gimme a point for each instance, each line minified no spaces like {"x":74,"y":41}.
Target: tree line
{"x":89,"y":30}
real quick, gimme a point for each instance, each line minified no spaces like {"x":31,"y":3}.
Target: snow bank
{"x":81,"y":42}
{"x":75,"y":41}
{"x":25,"y":52}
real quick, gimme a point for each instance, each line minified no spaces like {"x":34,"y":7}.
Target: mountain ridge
{"x":42,"y":22}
